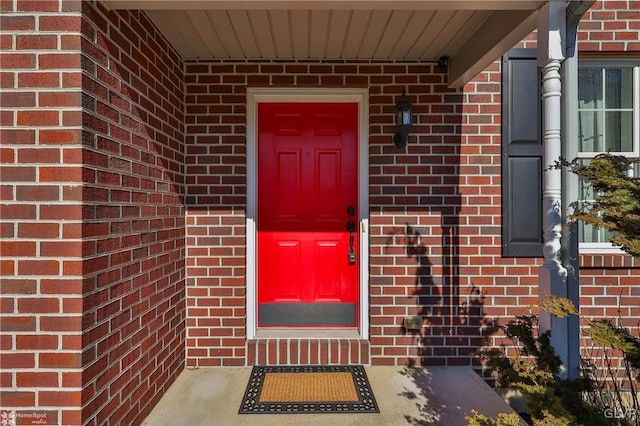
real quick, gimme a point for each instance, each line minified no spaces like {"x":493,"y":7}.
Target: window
{"x":608,"y":121}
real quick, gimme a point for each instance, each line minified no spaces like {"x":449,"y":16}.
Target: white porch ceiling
{"x":472,"y":33}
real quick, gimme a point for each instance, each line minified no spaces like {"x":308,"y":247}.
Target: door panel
{"x":307,"y":180}
{"x":288,"y":183}
{"x":286,"y":264}
{"x":327,"y":182}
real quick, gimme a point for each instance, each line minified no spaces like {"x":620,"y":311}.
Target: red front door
{"x":307,"y":196}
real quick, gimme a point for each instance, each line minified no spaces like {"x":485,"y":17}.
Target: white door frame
{"x":296,"y":94}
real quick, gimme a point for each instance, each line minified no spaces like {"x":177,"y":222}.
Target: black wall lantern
{"x":404,"y":122}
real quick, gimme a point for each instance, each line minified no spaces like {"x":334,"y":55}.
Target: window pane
{"x":606,"y":123}
{"x":618,"y":88}
{"x":585,"y":192}
{"x":590,"y":88}
{"x":619,"y":131}
{"x":591,"y":234}
{"x":587,"y":233}
{"x":591,"y":131}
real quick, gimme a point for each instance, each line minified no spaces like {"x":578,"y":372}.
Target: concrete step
{"x":405,"y":396}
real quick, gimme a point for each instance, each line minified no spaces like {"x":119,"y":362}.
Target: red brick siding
{"x":106,"y":211}
{"x":610,"y":284}
{"x":611,"y":26}
{"x":40,"y":210}
{"x":301,"y":351}
{"x":92,"y":213}
{"x":216,"y":187}
{"x":133,"y":216}
{"x":434,"y":209}
{"x":609,"y":290}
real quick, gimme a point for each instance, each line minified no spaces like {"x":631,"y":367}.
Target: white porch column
{"x":570,"y":184}
{"x":552,"y":275}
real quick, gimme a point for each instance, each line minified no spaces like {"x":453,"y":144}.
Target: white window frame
{"x":572,"y":148}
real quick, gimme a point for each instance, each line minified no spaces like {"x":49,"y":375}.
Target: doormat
{"x":308,"y":389}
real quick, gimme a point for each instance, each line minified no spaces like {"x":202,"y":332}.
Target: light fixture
{"x":404,"y":122}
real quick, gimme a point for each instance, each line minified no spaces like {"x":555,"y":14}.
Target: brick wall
{"x":434,"y":210}
{"x":92,"y":213}
{"x":133,"y":216}
{"x":41,"y":211}
{"x":216,"y":202}
{"x":124,"y":176}
{"x":610,"y":284}
{"x":611,"y":26}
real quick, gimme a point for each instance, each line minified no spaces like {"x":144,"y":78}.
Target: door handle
{"x":351,"y":227}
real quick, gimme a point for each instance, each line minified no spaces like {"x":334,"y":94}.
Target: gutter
{"x":575,"y":10}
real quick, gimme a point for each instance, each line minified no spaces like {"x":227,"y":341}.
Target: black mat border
{"x":251,"y":405}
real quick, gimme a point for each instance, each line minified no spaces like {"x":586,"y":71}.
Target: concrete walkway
{"x":416,"y":396}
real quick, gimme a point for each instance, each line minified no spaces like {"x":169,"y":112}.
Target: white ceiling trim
{"x":471,"y":33}
{"x":325,"y":4}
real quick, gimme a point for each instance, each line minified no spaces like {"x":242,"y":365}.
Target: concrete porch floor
{"x":405,"y":396}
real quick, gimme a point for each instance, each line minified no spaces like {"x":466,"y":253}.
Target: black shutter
{"x":521,"y":155}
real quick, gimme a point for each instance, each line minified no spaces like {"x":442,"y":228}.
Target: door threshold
{"x":308,"y":333}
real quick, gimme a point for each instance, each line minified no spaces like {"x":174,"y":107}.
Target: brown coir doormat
{"x":307,"y":389}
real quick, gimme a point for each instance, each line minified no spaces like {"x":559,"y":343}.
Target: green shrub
{"x":617,"y":203}
{"x":534,"y":367}
{"x":503,"y":420}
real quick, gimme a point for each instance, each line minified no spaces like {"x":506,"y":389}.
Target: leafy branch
{"x":617,"y":203}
